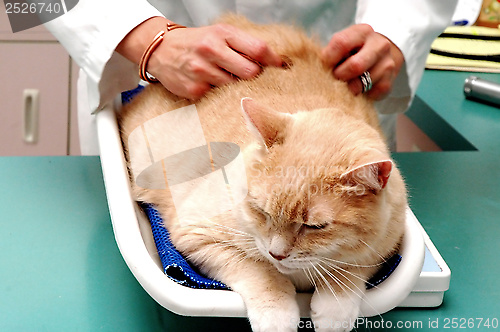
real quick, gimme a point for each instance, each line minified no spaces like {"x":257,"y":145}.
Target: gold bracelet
{"x":143,"y":64}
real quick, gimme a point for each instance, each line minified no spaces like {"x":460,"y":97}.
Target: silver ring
{"x":366,"y":81}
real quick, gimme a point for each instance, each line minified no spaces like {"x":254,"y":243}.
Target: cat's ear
{"x":264,"y":123}
{"x":373,"y":176}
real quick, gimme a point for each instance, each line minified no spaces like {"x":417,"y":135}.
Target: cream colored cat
{"x":325,"y":203}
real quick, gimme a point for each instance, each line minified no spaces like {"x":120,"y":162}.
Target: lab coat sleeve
{"x":412,"y":26}
{"x":90,"y":33}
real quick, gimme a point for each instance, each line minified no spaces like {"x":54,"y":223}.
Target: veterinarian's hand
{"x":358,"y":49}
{"x":192,"y":60}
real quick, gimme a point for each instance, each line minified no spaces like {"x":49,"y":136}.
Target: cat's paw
{"x":335,"y":313}
{"x":280,"y":317}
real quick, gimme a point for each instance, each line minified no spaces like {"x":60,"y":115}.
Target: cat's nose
{"x":277,"y":256}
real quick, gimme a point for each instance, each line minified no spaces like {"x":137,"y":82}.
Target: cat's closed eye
{"x":259,"y":211}
{"x":315,"y":226}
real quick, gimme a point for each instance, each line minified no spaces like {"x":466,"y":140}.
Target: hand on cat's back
{"x":193,"y":60}
{"x":358,"y":49}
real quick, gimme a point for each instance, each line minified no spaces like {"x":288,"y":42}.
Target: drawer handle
{"x":31,"y":102}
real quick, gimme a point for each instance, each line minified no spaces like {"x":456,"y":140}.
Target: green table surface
{"x":60,"y":268}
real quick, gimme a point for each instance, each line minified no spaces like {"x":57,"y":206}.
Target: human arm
{"x":93,"y":29}
{"x":190,"y":61}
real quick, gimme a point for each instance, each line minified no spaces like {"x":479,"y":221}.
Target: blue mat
{"x":174,"y":264}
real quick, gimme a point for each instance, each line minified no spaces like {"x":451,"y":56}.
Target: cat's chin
{"x":298,"y":277}
{"x":285,"y":270}
{"x":289,"y":271}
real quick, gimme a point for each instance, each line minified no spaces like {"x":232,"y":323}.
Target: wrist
{"x":137,"y":41}
{"x":158,"y":39}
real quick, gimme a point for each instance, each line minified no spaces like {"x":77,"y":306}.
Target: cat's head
{"x":321,"y":189}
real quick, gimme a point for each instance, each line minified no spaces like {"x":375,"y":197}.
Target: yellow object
{"x":481,"y":44}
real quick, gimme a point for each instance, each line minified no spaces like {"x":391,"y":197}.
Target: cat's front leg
{"x":280,"y":314}
{"x":335,"y":308}
{"x":269,"y":297}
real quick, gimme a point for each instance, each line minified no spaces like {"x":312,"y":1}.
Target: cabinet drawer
{"x":43,"y":67}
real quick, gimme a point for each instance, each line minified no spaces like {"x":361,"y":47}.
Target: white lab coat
{"x":91,"y":31}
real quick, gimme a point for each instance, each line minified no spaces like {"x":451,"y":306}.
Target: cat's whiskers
{"x":334,"y":265}
{"x":338,"y":268}
{"x":215,"y":243}
{"x":344,"y":286}
{"x":374,"y":251}
{"x":241,"y":237}
{"x":247,"y":245}
{"x":233,"y":230}
{"x":348,"y":264}
{"x":341,"y":270}
{"x":309,"y":276}
{"x":220,"y":231}
{"x":325,"y":282}
{"x":312,"y":279}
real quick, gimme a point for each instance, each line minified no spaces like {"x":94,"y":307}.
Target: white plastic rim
{"x":174,"y":297}
{"x":220,"y":303}
{"x":392,"y":291}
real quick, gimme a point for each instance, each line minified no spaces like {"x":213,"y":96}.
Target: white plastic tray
{"x":404,"y":287}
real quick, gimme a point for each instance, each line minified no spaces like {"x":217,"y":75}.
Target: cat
{"x":324,"y":206}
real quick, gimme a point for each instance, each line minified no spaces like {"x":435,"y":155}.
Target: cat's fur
{"x":343,"y":209}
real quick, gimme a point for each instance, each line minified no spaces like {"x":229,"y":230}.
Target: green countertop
{"x":60,"y":269}
{"x":455,"y":194}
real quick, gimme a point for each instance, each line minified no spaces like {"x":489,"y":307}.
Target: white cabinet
{"x":37,"y":94}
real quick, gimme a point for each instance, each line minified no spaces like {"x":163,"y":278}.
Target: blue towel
{"x":128,"y":95}
{"x":174,"y":264}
